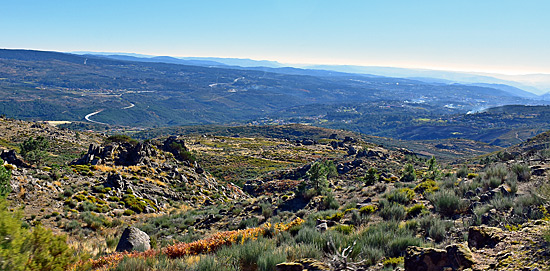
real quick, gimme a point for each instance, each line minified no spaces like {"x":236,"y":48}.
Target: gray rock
{"x":133,"y":239}
{"x":322,"y":227}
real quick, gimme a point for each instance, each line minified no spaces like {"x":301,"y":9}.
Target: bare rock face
{"x":453,"y":257}
{"x":133,"y":239}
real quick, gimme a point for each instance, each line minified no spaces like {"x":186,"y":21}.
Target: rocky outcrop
{"x":482,"y":236}
{"x":122,"y":154}
{"x":133,"y":239}
{"x":453,"y":257}
{"x":10,"y":156}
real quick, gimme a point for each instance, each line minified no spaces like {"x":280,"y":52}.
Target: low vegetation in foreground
{"x":255,"y":203}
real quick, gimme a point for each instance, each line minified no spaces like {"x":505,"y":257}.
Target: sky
{"x":510,"y":37}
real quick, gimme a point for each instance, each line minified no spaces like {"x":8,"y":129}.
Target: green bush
{"x":462,"y":172}
{"x":434,"y":227}
{"x":345,"y":229}
{"x":426,"y":187}
{"x":210,"y":263}
{"x":409,"y":174}
{"x":447,"y":203}
{"x":416,"y":210}
{"x":5,"y":176}
{"x":319,"y":173}
{"x":329,"y":202}
{"x":34,"y":150}
{"x":401,"y":195}
{"x":369,"y":209}
{"x":371,"y":177}
{"x":391,"y":211}
{"x":38,"y":249}
{"x":121,"y":139}
{"x":522,"y":172}
{"x":498,"y":171}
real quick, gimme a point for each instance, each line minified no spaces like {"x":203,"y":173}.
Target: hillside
{"x":315,"y":197}
{"x":38,"y":85}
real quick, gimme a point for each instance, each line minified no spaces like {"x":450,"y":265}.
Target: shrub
{"x":301,"y":251}
{"x":462,"y":172}
{"x":446,"y":202}
{"x":497,"y":171}
{"x":392,"y":211}
{"x":491,"y":183}
{"x":401,"y":195}
{"x":502,"y":203}
{"x":522,"y":172}
{"x":5,"y":176}
{"x":434,"y":227}
{"x":433,"y":171}
{"x":249,"y":223}
{"x":36,"y":250}
{"x":267,"y":210}
{"x":34,"y":150}
{"x":416,"y":210}
{"x":319,"y":173}
{"x":310,"y":236}
{"x":345,"y":229}
{"x":269,"y":259}
{"x":371,"y":177}
{"x":209,"y":263}
{"x":409,"y":175}
{"x":336,"y":216}
{"x":472,"y":175}
{"x":369,"y":209}
{"x":121,"y":139}
{"x":329,"y":202}
{"x":426,"y":187}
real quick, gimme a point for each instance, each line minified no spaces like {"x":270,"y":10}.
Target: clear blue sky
{"x":480,"y":35}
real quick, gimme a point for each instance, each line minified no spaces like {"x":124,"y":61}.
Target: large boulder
{"x":453,"y":257}
{"x":482,"y":236}
{"x":425,"y":259}
{"x":133,"y":239}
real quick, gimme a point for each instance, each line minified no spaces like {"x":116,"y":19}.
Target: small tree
{"x":5,"y":176}
{"x":372,"y":176}
{"x":433,"y":171}
{"x":409,"y":174}
{"x":318,"y":175}
{"x":34,"y":150}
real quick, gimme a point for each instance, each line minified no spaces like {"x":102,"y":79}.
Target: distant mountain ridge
{"x":519,"y":85}
{"x":145,"y":92}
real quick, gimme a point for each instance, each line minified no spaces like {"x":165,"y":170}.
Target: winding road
{"x":87,"y":117}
